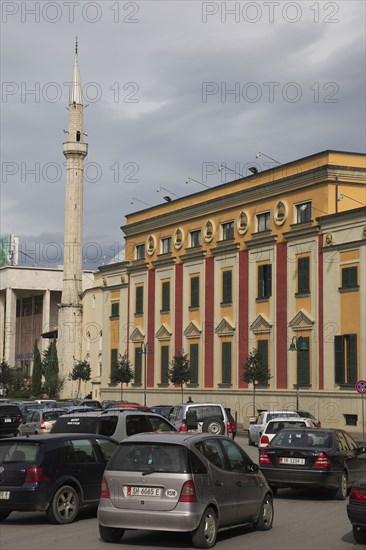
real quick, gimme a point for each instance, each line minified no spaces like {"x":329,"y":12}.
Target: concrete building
{"x":246,"y":265}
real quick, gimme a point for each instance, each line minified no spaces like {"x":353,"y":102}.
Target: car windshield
{"x":277,"y":425}
{"x":147,"y":457}
{"x":305,"y":439}
{"x":205,"y":411}
{"x":271,"y":416}
{"x":10,"y":410}
{"x":18,"y":452}
{"x":77,"y":424}
{"x":51,"y":415}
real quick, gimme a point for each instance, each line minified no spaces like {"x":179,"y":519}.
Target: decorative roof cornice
{"x":301,"y":321}
{"x":137,"y":335}
{"x":225,"y":328}
{"x":261,"y":325}
{"x":163,"y":333}
{"x":192,"y":330}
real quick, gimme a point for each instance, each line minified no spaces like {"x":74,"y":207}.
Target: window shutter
{"x":193,"y":363}
{"x":226,"y":362}
{"x":260,"y":281}
{"x":164,"y":364}
{"x":352,"y":359}
{"x":303,"y":362}
{"x":349,"y":277}
{"x":165,"y":306}
{"x":139,"y":299}
{"x":338,"y":360}
{"x":195,"y":291}
{"x":138,"y":365}
{"x":114,"y":358}
{"x":263,"y":350}
{"x":268,"y":280}
{"x":303,"y":281}
{"x":227,"y":295}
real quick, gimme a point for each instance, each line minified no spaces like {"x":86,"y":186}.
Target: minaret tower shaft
{"x":70,"y":309}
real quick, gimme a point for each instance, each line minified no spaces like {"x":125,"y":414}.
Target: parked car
{"x":275,"y":426}
{"x":356,"y":510}
{"x":164,"y":410}
{"x":306,"y":414}
{"x":195,"y":483}
{"x":127,"y":406}
{"x":10,"y":418}
{"x":39,"y":422}
{"x":314,"y":458}
{"x":27,"y":406}
{"x":56,"y":474}
{"x":231,"y":419}
{"x":116,"y":424}
{"x":201,"y":417}
{"x":90,"y":403}
{"x":256,"y":427}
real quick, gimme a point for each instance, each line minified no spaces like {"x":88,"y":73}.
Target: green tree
{"x":81,"y":371}
{"x":6,"y":376}
{"x":37,"y":371}
{"x":255,"y":372}
{"x":180,"y":372}
{"x":53,"y":383}
{"x":121,"y":372}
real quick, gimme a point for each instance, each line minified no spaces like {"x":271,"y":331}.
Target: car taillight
{"x":264,"y":458}
{"x":183,"y":428}
{"x":188,"y":492}
{"x":357,"y":494}
{"x":264,"y":440}
{"x":43,"y":424}
{"x":322,"y":461}
{"x":229,"y":427}
{"x":35,"y":475}
{"x":104,"y":489}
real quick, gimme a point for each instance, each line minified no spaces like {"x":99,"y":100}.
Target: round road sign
{"x":361,"y":386}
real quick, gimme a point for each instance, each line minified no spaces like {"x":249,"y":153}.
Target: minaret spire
{"x":70,"y":310}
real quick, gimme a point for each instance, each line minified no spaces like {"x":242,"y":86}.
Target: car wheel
{"x":359,"y":534}
{"x":205,"y":535}
{"x":265,"y":519}
{"x":341,"y":492}
{"x":214,"y":426}
{"x":4,"y":515}
{"x":64,"y":505}
{"x":110,"y":534}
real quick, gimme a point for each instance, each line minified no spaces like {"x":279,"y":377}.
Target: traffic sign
{"x":361,"y":386}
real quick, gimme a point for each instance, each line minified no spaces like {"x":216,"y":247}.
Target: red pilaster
{"x":243,"y":313}
{"x":320,"y":313}
{"x":209,"y":322}
{"x":281,"y":315}
{"x":127,"y":337}
{"x":178,"y":308}
{"x":150,"y":326}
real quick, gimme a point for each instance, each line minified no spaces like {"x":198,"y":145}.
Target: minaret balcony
{"x":75,"y":148}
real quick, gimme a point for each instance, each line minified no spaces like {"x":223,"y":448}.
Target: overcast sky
{"x":174,"y":89}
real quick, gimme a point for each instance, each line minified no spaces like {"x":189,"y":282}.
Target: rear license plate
{"x":285,"y":460}
{"x":8,"y":419}
{"x":133,"y":491}
{"x":4,"y":495}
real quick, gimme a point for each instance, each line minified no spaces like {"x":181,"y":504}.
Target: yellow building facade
{"x":262,"y":262}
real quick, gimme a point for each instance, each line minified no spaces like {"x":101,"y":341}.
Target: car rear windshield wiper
{"x":152,"y":471}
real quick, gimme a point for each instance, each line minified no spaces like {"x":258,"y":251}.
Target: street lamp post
{"x":145,"y":349}
{"x":295,"y":347}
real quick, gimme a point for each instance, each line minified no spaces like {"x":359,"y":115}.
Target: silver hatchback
{"x":197,"y":483}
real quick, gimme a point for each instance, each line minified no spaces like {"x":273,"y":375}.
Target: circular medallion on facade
{"x":178,"y":238}
{"x":329,"y":238}
{"x":242,"y":222}
{"x":151,"y":245}
{"x":280,"y":213}
{"x":209,"y":231}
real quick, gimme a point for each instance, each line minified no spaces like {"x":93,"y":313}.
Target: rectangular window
{"x":193,"y":363}
{"x":195,"y":237}
{"x":114,"y":358}
{"x":345,"y":359}
{"x":349,"y":277}
{"x":195,"y":291}
{"x":303,"y":361}
{"x":38,"y":305}
{"x":166,"y":245}
{"x":227,"y":287}
{"x":263,"y":222}
{"x":303,"y":212}
{"x":226,"y":362}
{"x":165,"y":296}
{"x":262,"y":346}
{"x":303,"y":275}
{"x":138,"y":366}
{"x":227,"y":231}
{"x":140,"y":252}
{"x":27,"y":307}
{"x":264,"y":281}
{"x":139,"y":300}
{"x":164,"y":364}
{"x":115,"y":309}
{"x":18,"y":307}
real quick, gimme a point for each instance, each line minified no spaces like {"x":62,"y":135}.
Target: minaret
{"x":70,"y":309}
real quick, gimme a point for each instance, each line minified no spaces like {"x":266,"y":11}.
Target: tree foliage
{"x":180,"y":372}
{"x":255,"y":371}
{"x":52,"y":383}
{"x":121,"y":372}
{"x":6,"y":375}
{"x":37,"y":371}
{"x":81,"y":372}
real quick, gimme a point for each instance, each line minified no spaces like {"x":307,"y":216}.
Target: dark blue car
{"x":55,"y":473}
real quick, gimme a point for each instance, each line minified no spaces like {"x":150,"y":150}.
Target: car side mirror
{"x":362,"y":450}
{"x":251,"y":468}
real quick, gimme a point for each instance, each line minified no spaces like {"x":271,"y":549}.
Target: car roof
{"x":171,"y":437}
{"x":287,"y":419}
{"x":54,"y":437}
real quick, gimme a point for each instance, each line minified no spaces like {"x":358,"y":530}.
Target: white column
{"x":10,"y":326}
{"x":46,"y":319}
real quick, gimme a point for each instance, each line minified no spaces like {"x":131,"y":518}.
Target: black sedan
{"x":356,"y":510}
{"x":313,"y":458}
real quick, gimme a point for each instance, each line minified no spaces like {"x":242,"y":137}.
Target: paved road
{"x":303,"y":521}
